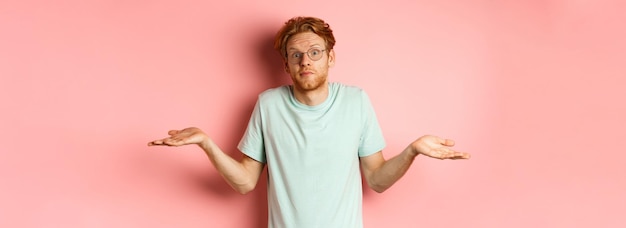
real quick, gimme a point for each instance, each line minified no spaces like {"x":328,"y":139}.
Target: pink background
{"x":535,"y":90}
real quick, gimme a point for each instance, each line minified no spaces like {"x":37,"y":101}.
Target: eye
{"x":315,"y":52}
{"x":296,"y":55}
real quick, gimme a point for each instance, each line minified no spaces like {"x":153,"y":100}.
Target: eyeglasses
{"x":313,"y":53}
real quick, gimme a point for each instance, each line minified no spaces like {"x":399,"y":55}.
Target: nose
{"x":305,"y":60}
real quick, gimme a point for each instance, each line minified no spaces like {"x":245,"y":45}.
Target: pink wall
{"x":534,"y":90}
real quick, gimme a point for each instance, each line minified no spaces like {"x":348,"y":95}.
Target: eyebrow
{"x":312,"y":46}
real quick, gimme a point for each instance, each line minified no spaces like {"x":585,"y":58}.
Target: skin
{"x":310,"y":87}
{"x":310,"y":78}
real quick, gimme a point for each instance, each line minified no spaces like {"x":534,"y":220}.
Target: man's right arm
{"x":241,"y":175}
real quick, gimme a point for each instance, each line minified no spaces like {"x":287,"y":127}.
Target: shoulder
{"x":274,"y":94}
{"x":343,"y":88}
{"x":348,"y":91}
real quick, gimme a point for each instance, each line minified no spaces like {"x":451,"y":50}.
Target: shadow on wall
{"x":271,"y":67}
{"x":269,"y":59}
{"x":270,"y":64}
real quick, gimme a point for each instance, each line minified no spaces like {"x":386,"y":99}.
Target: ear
{"x":286,"y":67}
{"x":331,"y":58}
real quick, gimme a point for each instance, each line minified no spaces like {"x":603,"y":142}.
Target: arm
{"x":241,"y":175}
{"x":381,"y":174}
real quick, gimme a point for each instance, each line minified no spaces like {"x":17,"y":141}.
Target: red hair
{"x":299,"y":25}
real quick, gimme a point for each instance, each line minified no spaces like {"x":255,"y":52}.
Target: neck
{"x":311,"y":97}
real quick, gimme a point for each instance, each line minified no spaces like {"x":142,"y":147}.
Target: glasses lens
{"x":315,"y":54}
{"x":294,"y":57}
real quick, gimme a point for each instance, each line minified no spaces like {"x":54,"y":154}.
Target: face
{"x":308,"y":74}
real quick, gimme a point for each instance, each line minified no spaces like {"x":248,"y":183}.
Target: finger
{"x":448,"y":142}
{"x":173,"y":141}
{"x":173,"y":132}
{"x":155,"y":143}
{"x":178,"y":138}
{"x":166,"y":142}
{"x":459,"y":155}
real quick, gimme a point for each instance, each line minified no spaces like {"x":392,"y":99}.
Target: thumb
{"x":447,"y":142}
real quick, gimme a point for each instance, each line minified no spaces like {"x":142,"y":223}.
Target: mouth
{"x":306,"y":73}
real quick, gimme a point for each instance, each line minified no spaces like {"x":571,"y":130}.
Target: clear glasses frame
{"x":313,"y":54}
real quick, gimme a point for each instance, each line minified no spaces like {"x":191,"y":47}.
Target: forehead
{"x":305,"y":40}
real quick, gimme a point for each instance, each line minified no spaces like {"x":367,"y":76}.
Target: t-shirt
{"x":312,"y":154}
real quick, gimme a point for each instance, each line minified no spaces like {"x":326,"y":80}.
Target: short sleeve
{"x":372,"y":139}
{"x":252,"y":143}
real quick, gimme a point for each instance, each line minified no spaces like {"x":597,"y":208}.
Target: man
{"x":317,"y":139}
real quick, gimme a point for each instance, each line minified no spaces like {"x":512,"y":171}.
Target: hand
{"x":186,"y":136}
{"x":435,"y":147}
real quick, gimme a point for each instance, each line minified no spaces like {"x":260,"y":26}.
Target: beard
{"x":309,"y":84}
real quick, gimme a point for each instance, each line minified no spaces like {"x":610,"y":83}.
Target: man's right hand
{"x":192,"y":135}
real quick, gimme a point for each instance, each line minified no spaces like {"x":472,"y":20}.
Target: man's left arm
{"x":381,"y":174}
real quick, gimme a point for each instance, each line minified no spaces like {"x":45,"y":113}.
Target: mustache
{"x":306,"y":70}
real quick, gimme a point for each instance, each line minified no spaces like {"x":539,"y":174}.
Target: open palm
{"x":436,"y":147}
{"x":186,"y":136}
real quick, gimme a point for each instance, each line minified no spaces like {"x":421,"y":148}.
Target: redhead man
{"x":317,"y":138}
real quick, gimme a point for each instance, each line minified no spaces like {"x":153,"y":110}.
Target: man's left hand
{"x":436,"y":147}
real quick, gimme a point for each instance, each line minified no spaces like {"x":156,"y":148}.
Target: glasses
{"x":313,"y":53}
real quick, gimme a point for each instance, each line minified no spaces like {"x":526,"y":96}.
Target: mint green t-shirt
{"x":312,"y":154}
